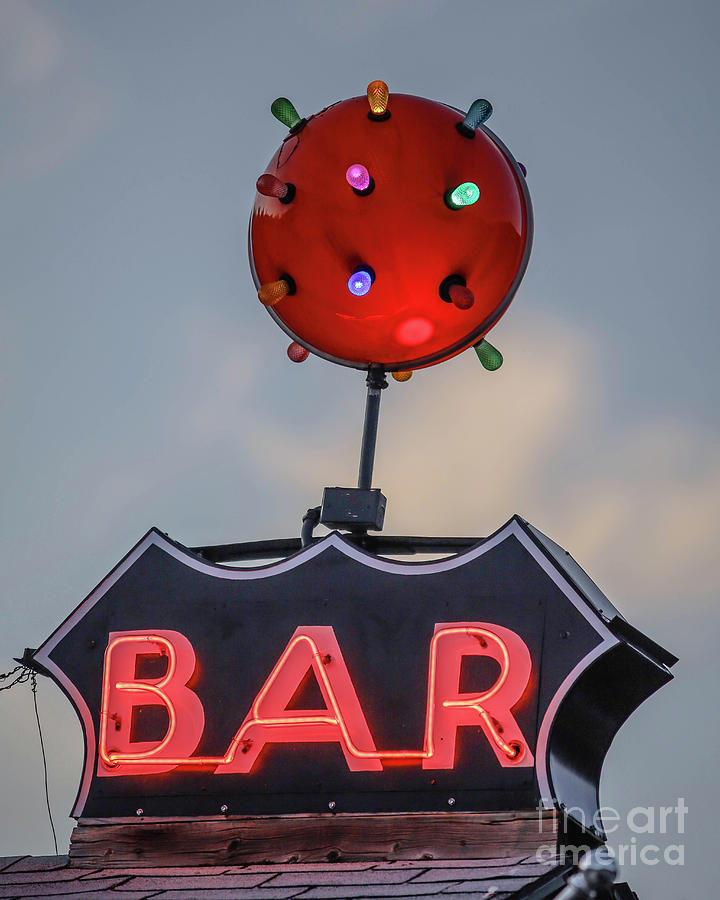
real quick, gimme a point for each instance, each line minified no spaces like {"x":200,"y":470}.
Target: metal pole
{"x":375,"y":384}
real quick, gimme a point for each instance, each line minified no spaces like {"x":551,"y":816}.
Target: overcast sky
{"x":143,"y":384}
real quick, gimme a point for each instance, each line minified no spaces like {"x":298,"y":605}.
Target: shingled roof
{"x":53,"y":877}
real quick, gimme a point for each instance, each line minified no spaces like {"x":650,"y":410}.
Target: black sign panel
{"x":338,"y":680}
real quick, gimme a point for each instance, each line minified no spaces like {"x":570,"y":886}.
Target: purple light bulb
{"x":358,"y":177}
{"x":361,"y":280}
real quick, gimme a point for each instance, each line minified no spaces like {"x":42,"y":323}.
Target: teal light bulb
{"x":464,"y":194}
{"x":479,"y":112}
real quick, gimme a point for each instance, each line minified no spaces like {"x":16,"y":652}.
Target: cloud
{"x":461,"y":450}
{"x":52,"y":106}
{"x":207,"y":411}
{"x":650,"y":527}
{"x":230,"y":370}
{"x":30,"y":44}
{"x":349,"y":21}
{"x":457,"y":446}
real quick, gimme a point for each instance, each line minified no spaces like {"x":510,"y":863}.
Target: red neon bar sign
{"x":341,"y":720}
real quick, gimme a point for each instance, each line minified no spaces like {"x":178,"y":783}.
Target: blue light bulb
{"x":360,"y":282}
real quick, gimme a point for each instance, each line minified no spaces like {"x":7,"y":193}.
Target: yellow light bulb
{"x":272,"y":292}
{"x":402,"y":376}
{"x":378,"y":95}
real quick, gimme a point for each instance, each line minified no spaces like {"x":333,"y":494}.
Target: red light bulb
{"x":461,"y":296}
{"x":296,"y":353}
{"x":270,"y":186}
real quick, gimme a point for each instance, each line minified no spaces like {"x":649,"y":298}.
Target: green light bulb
{"x":464,"y":194}
{"x":285,"y":112}
{"x":489,"y":356}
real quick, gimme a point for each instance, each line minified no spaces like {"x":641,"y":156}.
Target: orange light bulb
{"x":402,"y":376}
{"x":272,"y":292}
{"x":378,"y":95}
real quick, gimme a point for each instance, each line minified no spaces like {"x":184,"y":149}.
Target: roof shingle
{"x":53,"y":878}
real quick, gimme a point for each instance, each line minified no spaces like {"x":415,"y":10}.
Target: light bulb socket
{"x":290,"y":281}
{"x":298,"y":126}
{"x":290,"y":196}
{"x":379,"y":117}
{"x":364,"y":268}
{"x":465,"y":130}
{"x":368,"y":190}
{"x":449,"y":202}
{"x":447,"y":283}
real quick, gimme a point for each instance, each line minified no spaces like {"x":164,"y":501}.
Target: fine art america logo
{"x":644,"y":847}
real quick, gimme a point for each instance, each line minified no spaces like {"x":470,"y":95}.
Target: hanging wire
{"x":21,"y":675}
{"x":33,"y":685}
{"x":18,"y":679}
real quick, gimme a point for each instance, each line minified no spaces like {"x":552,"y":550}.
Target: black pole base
{"x":353,"y":509}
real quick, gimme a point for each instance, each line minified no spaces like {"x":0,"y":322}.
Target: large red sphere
{"x":402,"y":231}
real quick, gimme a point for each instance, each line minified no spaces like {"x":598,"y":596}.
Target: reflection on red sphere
{"x":414,"y":331}
{"x":402,"y":230}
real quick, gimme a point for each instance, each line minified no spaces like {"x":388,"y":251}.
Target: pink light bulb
{"x":358,"y":177}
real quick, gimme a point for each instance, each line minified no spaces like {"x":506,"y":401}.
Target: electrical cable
{"x":20,"y":679}
{"x":33,"y":685}
{"x":25,"y":675}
